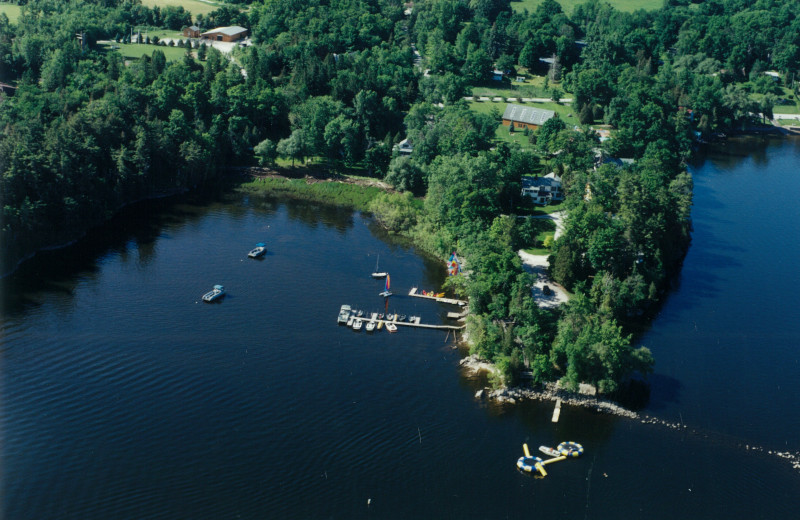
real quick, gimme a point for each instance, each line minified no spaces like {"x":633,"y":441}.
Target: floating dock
{"x":413,"y":292}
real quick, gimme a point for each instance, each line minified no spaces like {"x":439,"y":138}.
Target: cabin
{"x":225,"y":34}
{"x":526,"y":117}
{"x":191,"y":32}
{"x":543,"y":190}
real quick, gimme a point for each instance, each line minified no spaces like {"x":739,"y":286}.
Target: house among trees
{"x":225,"y":34}
{"x":543,"y":190}
{"x":404,"y":147}
{"x":526,"y":117}
{"x":191,"y":32}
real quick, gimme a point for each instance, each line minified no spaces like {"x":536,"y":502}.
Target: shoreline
{"x":552,"y":393}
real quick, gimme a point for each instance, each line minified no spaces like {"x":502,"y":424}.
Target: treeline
{"x":343,"y":82}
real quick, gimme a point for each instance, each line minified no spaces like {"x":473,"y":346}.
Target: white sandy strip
{"x":537,"y":264}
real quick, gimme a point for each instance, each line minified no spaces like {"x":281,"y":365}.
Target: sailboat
{"x":386,"y":292}
{"x":376,"y":273}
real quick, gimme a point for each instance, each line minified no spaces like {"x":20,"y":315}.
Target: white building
{"x":404,"y":147}
{"x":543,"y":190}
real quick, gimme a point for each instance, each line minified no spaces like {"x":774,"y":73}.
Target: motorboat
{"x":344,"y":313}
{"x":391,"y":327}
{"x":370,"y":326}
{"x":357,"y":324}
{"x":350,"y":320}
{"x":214,"y":294}
{"x":259,"y":250}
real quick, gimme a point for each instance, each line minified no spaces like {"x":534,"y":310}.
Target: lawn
{"x":549,"y":229}
{"x":193,"y":6}
{"x":134,"y":51}
{"x":532,"y":87}
{"x":569,"y":5}
{"x":11,"y":10}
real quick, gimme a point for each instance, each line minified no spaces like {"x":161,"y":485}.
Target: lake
{"x":123,"y":395}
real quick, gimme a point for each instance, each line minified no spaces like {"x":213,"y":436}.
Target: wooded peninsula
{"x":106,"y":102}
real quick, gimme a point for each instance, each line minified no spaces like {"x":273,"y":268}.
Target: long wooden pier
{"x":413,"y":292}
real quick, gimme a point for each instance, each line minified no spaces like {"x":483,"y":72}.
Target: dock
{"x":452,"y":301}
{"x":557,"y":411}
{"x":416,"y":323}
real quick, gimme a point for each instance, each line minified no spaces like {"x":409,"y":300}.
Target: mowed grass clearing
{"x":568,"y":5}
{"x":12,"y":11}
{"x":134,"y":51}
{"x":193,"y":6}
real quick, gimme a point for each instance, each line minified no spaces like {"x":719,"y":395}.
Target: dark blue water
{"x":124,"y":396}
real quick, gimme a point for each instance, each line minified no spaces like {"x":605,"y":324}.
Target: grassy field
{"x":502,"y":133}
{"x":339,"y":193}
{"x":134,"y":51}
{"x":11,"y":10}
{"x":569,"y":5}
{"x":532,"y":87}
{"x":193,"y":6}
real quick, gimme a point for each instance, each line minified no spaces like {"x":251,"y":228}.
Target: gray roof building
{"x":527,"y":115}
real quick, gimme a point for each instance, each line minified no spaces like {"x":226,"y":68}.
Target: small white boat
{"x":217,"y":292}
{"x":549,"y":451}
{"x":344,"y":314}
{"x":259,"y":250}
{"x":376,"y":273}
{"x":391,"y":327}
{"x":350,"y":320}
{"x":357,"y":323}
{"x":370,"y":326}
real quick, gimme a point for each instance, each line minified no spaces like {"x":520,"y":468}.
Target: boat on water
{"x":386,"y":292}
{"x":402,"y":317}
{"x":259,"y":250}
{"x":350,"y":320}
{"x":344,"y":314}
{"x":391,"y":327}
{"x":376,"y":273}
{"x":357,"y":324}
{"x":549,"y":451}
{"x":359,"y":313}
{"x":370,"y":326}
{"x":214,"y":294}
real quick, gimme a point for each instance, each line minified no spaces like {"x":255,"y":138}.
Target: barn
{"x":526,"y":117}
{"x":225,"y":34}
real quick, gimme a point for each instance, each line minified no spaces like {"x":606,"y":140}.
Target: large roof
{"x":230,"y":31}
{"x":529,"y":115}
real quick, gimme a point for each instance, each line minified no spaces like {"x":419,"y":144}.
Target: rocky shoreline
{"x":586,"y":398}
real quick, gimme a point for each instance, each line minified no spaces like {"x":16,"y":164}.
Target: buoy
{"x":570,"y":449}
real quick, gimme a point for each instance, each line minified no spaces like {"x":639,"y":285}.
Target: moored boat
{"x":350,"y":320}
{"x":376,"y":273}
{"x":214,"y":294}
{"x":370,"y":326}
{"x":344,"y":314}
{"x":549,"y":451}
{"x":259,"y":250}
{"x":357,"y":324}
{"x":391,"y":327}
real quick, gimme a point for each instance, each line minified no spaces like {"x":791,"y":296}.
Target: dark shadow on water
{"x":662,"y":390}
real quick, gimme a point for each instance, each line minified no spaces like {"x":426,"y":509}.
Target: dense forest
{"x":340,"y":82}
